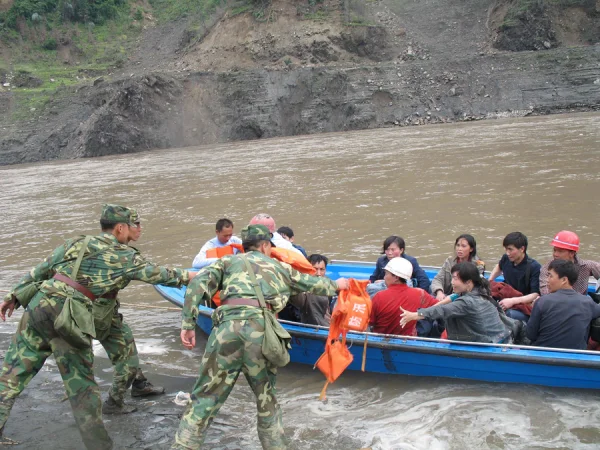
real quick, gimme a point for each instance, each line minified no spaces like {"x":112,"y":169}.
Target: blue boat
{"x":407,"y":355}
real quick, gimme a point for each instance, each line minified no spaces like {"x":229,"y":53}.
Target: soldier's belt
{"x":244,"y":302}
{"x":75,"y":285}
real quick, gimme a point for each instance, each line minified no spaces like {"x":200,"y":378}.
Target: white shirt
{"x":280,"y":242}
{"x":201,"y":260}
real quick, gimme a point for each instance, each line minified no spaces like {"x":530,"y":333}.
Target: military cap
{"x":256,"y":233}
{"x":119,"y":214}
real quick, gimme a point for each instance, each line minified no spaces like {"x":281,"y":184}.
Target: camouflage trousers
{"x":34,"y":341}
{"x":234,"y":346}
{"x":122,"y":352}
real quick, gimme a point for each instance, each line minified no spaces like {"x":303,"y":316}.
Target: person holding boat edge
{"x":59,"y":319}
{"x":235,"y":344}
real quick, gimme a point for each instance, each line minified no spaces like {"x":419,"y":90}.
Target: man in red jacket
{"x":385,"y":315}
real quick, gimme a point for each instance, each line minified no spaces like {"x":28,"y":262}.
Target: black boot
{"x":110,"y":406}
{"x":141,"y":387}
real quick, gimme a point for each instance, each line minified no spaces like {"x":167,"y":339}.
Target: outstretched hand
{"x":7,"y":306}
{"x":342,"y":283}
{"x":407,"y":316}
{"x":188,"y":338}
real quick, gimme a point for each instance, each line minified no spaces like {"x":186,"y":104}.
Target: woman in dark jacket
{"x":472,"y":316}
{"x":393,"y":247}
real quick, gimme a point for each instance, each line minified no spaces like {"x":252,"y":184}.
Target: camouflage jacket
{"x":277,"y":282}
{"x":107,"y":266}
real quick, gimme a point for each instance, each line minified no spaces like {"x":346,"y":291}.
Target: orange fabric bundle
{"x":355,"y":305}
{"x":351,"y":313}
{"x":224,"y":251}
{"x":294,"y":259}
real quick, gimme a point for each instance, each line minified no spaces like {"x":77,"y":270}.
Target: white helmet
{"x":400,"y":267}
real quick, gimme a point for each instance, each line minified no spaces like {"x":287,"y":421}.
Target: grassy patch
{"x":359,"y":22}
{"x":169,"y":10}
{"x":317,"y":16}
{"x":236,"y":11}
{"x":30,"y":102}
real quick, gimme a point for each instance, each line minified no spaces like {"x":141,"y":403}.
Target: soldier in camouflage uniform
{"x":108,"y":264}
{"x":120,"y":347}
{"x":235,"y":343}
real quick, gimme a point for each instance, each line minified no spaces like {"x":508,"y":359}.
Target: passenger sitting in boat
{"x":269,"y":222}
{"x":385,"y":314}
{"x":394,"y":247}
{"x":520,"y":272}
{"x":224,"y":230}
{"x":314,"y":309}
{"x":465,"y":249}
{"x":473,"y":316}
{"x":562,"y":318}
{"x":566,"y":246}
{"x":288,"y":234}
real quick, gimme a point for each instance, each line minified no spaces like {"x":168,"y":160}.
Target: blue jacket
{"x":418,"y":273}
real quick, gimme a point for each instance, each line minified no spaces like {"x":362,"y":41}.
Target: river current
{"x":343,"y":194}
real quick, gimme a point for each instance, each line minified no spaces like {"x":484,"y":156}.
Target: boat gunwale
{"x":409,"y":344}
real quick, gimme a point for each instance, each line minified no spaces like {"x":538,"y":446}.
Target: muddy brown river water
{"x":342,"y":194}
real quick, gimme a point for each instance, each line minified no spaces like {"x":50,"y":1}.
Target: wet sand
{"x":42,"y":417}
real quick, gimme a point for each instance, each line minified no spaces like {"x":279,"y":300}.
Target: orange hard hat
{"x":567,"y":240}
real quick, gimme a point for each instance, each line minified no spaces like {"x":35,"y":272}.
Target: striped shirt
{"x":586,"y":269}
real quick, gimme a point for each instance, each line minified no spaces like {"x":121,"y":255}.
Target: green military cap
{"x":119,"y":214}
{"x":256,"y":233}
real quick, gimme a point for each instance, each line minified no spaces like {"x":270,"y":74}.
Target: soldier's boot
{"x":141,"y":387}
{"x":110,"y":406}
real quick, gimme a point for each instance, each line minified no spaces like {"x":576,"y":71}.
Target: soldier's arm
{"x":41,"y":272}
{"x":143,"y":270}
{"x":301,"y":282}
{"x":200,"y":291}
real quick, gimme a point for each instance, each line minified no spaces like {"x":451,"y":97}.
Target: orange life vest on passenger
{"x":224,"y":251}
{"x":351,"y":313}
{"x":294,"y":259}
{"x":219,"y":253}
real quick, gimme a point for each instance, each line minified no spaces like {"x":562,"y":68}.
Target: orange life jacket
{"x":219,"y":253}
{"x":223,"y":251}
{"x":351,"y":313}
{"x":294,"y":259}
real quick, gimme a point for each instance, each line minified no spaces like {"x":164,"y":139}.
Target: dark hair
{"x":467,"y":271}
{"x":223,"y":223}
{"x":316,"y":258}
{"x":286,"y":231}
{"x":515,"y":238}
{"x":106,"y":225}
{"x":252,"y":244}
{"x":564,"y":268}
{"x":394,"y":239}
{"x":471,"y":241}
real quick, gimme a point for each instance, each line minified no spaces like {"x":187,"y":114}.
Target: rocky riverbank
{"x":413,"y":64}
{"x":161,"y":110}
